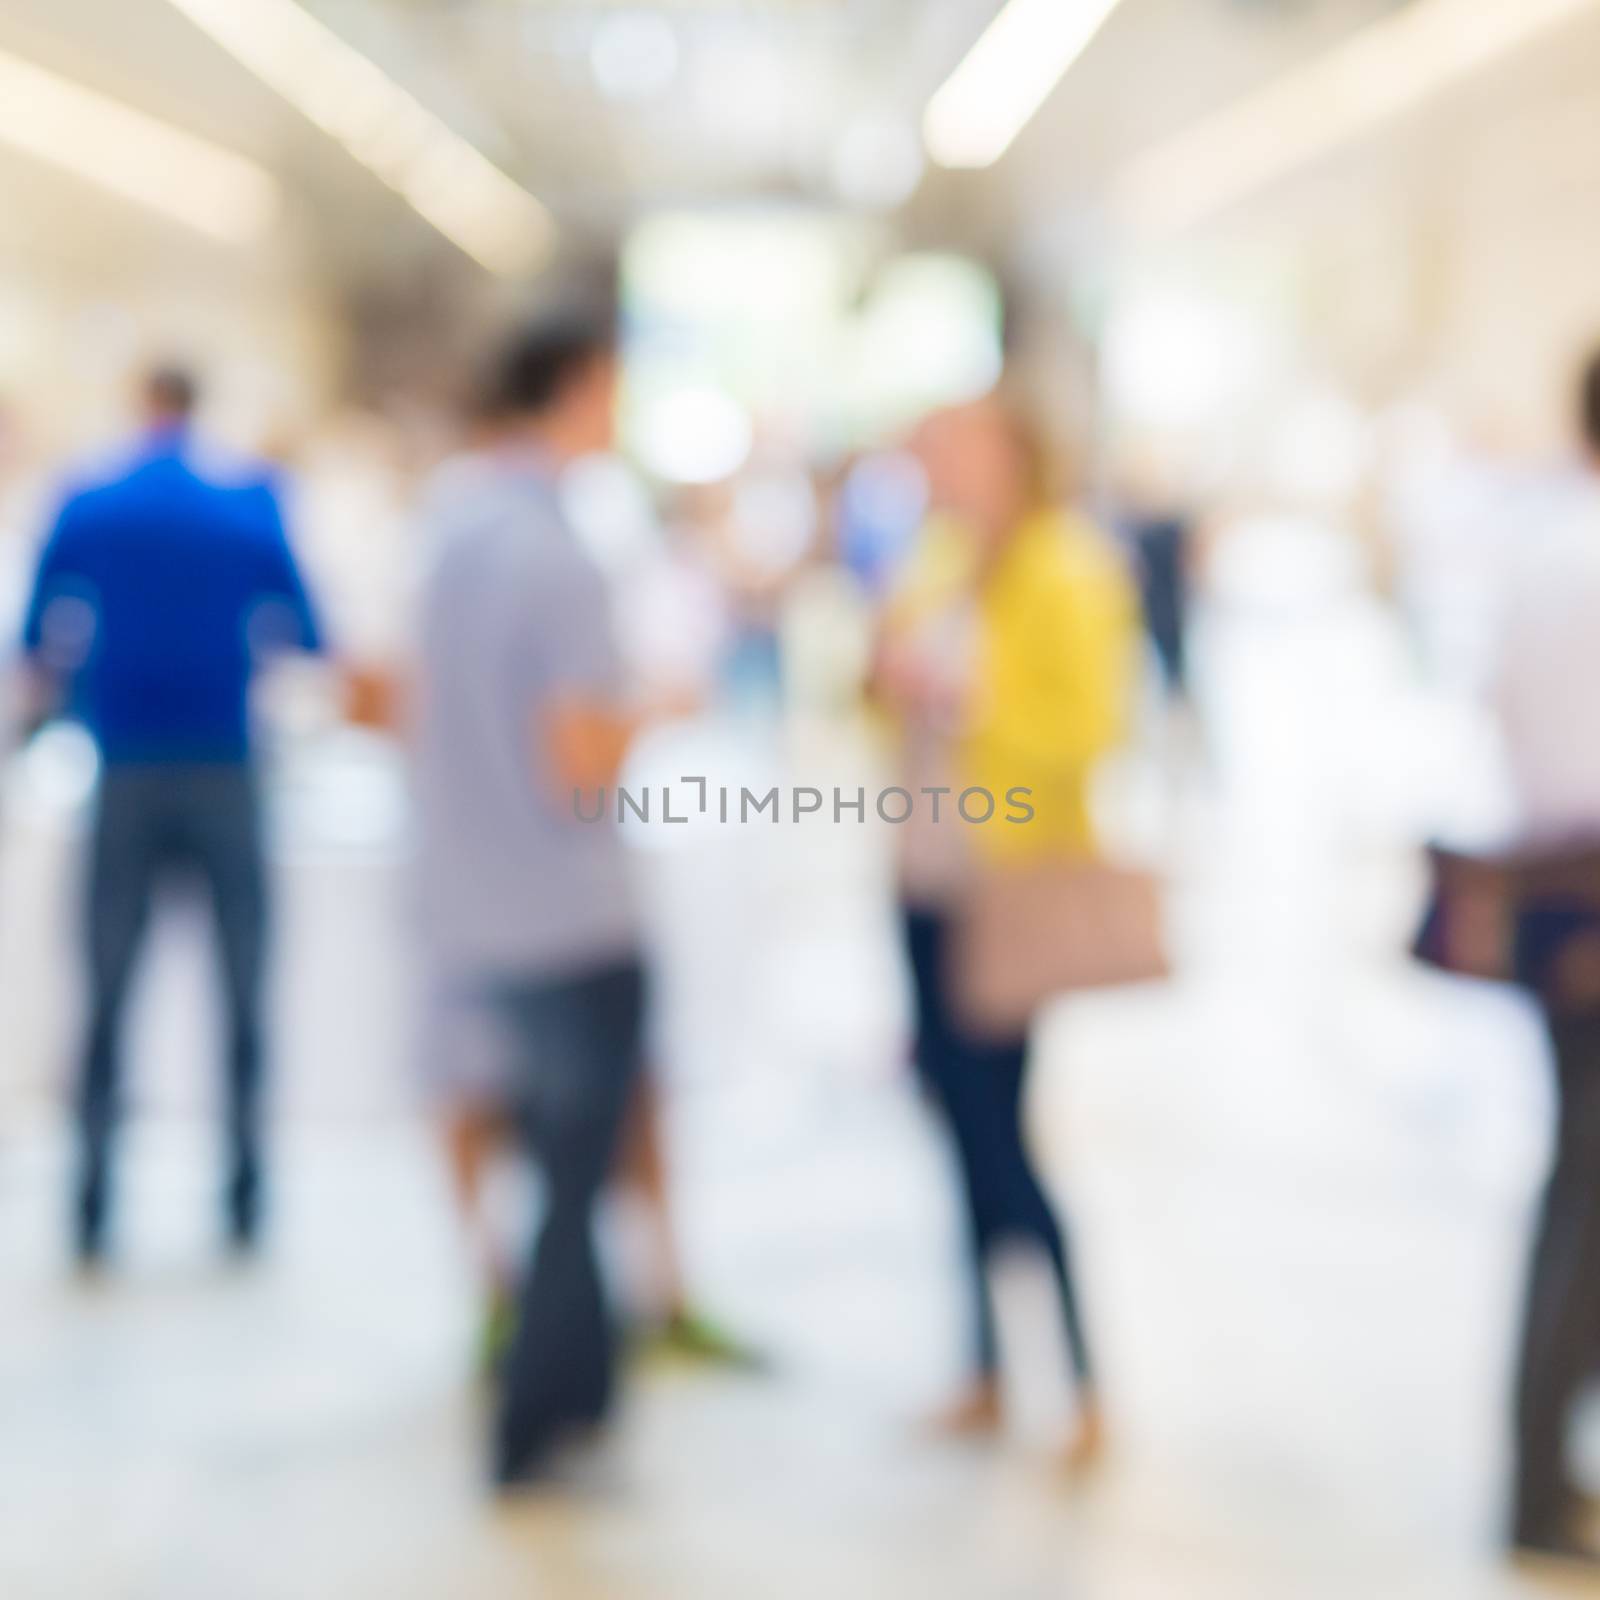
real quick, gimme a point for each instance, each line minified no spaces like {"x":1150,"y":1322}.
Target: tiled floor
{"x":1300,"y":1179}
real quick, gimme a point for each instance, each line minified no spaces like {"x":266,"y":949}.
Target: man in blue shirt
{"x":161,"y":588}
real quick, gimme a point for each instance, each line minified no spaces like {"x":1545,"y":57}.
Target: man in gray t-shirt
{"x":516,"y":631}
{"x":528,"y":921}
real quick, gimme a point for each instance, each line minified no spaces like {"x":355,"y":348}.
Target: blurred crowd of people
{"x":1002,"y":659}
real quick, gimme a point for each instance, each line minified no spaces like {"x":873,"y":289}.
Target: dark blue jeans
{"x":978,"y":1085}
{"x":579,"y":1044}
{"x":154,"y":825}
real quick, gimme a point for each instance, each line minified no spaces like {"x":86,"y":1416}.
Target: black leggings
{"x":979,"y":1086}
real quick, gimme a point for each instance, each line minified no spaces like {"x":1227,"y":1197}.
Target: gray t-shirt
{"x":513,"y":612}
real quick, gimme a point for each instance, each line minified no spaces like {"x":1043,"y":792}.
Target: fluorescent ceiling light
{"x":440,"y":175}
{"x":1378,"y":73}
{"x":150,"y":162}
{"x":1006,"y":76}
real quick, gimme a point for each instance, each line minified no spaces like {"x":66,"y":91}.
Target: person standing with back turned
{"x":162,"y":586}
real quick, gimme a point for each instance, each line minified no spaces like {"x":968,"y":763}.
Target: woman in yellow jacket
{"x":1006,"y":661}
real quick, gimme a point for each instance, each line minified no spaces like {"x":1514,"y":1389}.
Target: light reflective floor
{"x":1300,"y":1180}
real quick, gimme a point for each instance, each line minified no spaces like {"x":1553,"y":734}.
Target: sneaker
{"x":1555,"y":1547}
{"x":689,"y":1336}
{"x":495,"y":1333}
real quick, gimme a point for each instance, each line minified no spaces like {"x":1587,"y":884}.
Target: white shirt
{"x":1546,"y":683}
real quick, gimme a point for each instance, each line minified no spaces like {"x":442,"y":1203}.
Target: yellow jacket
{"x":1052,"y":677}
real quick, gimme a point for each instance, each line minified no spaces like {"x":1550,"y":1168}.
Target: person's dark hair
{"x":1589,"y":402}
{"x":541,"y":359}
{"x":172,"y":389}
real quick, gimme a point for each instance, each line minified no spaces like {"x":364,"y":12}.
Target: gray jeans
{"x":154,"y":825}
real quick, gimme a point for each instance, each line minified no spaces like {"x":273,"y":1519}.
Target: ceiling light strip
{"x":185,"y":178}
{"x":1379,"y":73}
{"x":1006,"y":76}
{"x":393,"y":135}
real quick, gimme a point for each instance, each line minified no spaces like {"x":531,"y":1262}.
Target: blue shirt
{"x":160,"y":587}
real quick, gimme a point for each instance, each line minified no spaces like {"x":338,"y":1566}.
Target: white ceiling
{"x":761,"y":93}
{"x":757,"y":95}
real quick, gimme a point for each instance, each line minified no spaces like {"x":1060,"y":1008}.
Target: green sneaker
{"x":689,"y":1336}
{"x":495,"y":1333}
